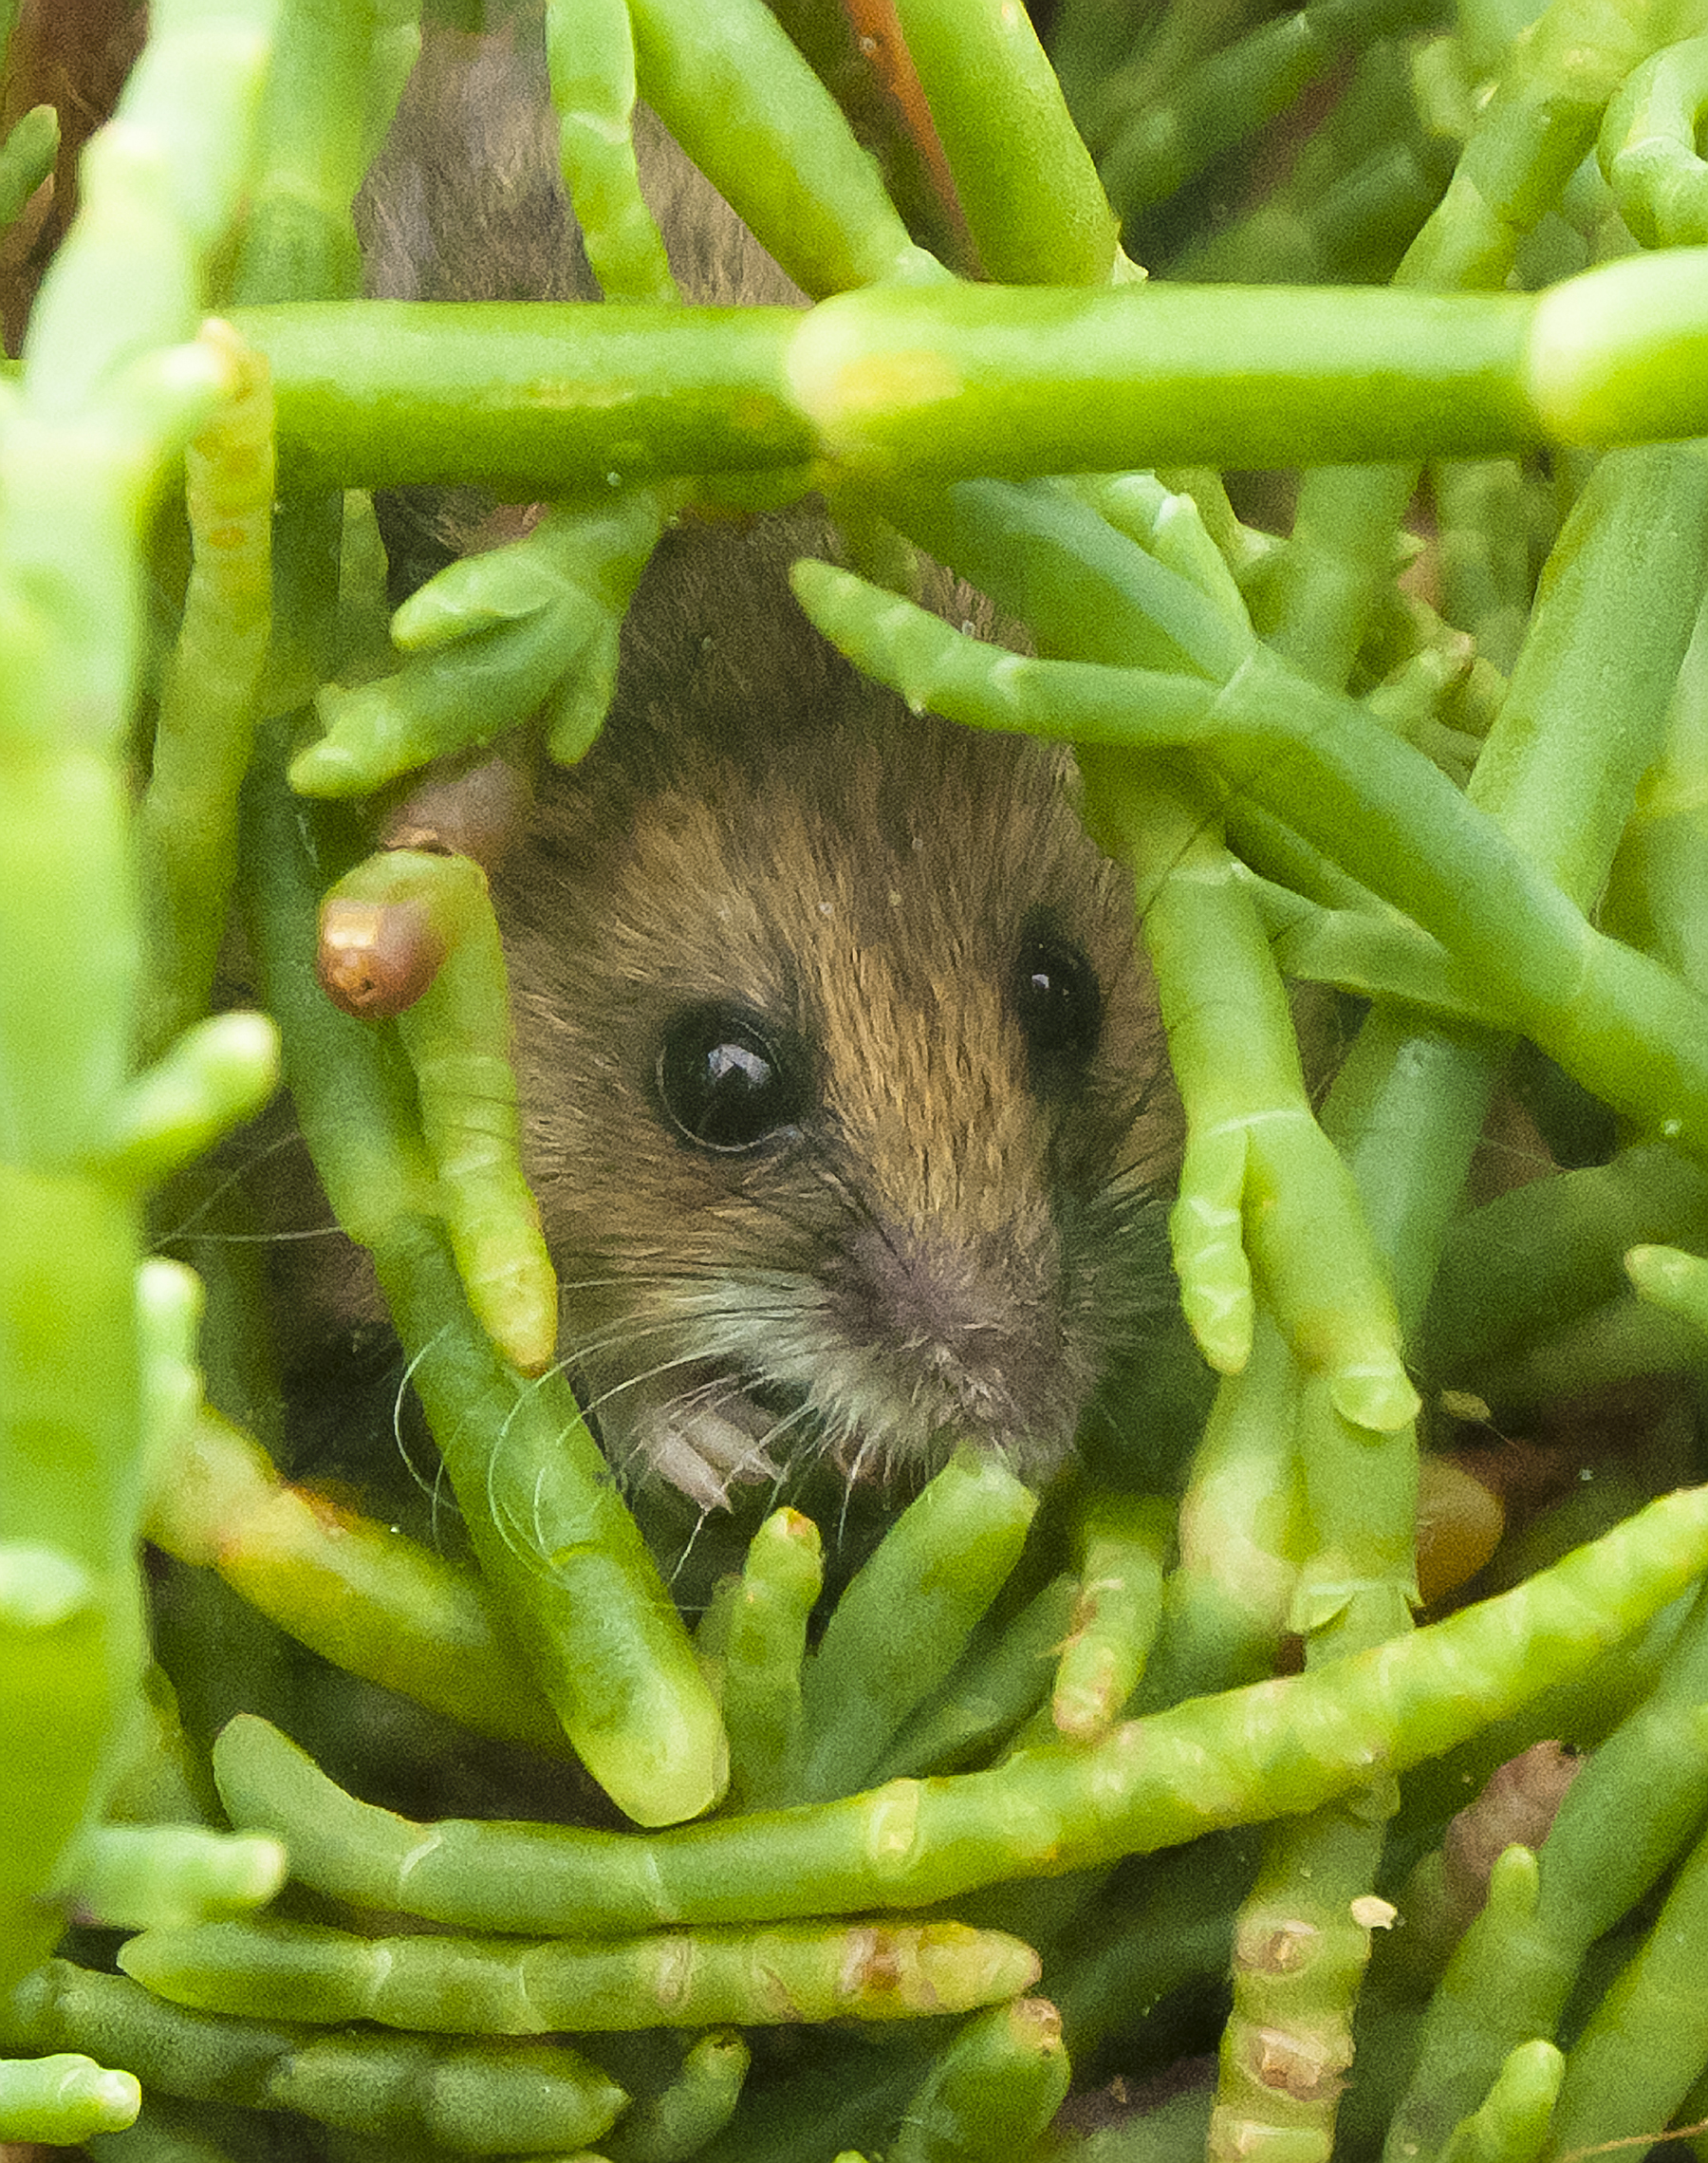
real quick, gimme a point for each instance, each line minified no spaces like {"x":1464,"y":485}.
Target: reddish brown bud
{"x":375,"y":958}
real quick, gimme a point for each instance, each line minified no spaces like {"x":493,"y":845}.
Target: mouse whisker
{"x":269,"y":1239}
{"x":237,"y":1175}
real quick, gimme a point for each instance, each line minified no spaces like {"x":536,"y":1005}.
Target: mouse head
{"x":833,"y":1051}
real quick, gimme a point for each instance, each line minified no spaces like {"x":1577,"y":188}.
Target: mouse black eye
{"x":1057,"y":1003}
{"x":726,"y":1082}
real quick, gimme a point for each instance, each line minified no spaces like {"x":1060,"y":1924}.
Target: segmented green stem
{"x":749,"y":1976}
{"x":550,"y":1529}
{"x":111,"y":393}
{"x":1271,"y":1749}
{"x":894,"y":384}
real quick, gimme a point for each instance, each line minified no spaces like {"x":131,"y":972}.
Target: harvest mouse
{"x":838,"y":1068}
{"x":833,"y":1050}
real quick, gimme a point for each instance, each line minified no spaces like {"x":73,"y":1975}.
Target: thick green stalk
{"x":1125,"y":1542}
{"x":31,"y":150}
{"x":993,"y":2092}
{"x":1300,"y":1947}
{"x":1302,"y":1938}
{"x":764,"y":1653}
{"x":690,"y":2110}
{"x":1646,"y":2041}
{"x":554,"y":1540}
{"x":1648,"y":147}
{"x":1168,"y":1928}
{"x":1560,"y":771}
{"x":63,"y":2098}
{"x":1585,"y":711}
{"x":1033,"y":200}
{"x":298,"y":237}
{"x":1316,"y":607}
{"x":1524,"y":147}
{"x":590,"y":46}
{"x":749,"y":1976}
{"x":1636,"y":1801}
{"x":1081,"y":585}
{"x":1246,"y":1756}
{"x":1551,"y":1250}
{"x":520,"y":398}
{"x":358,"y":1593}
{"x":846,"y":2099}
{"x":1263,"y":1193}
{"x":1678,"y":1282}
{"x":1484,"y":549}
{"x":1511,"y":2125}
{"x":1372,"y":952}
{"x":1583,"y":717}
{"x":483,"y":2097}
{"x":1136,"y":377}
{"x":137,"y":1877}
{"x":110,"y":395}
{"x":903,"y":1622}
{"x":1662,"y":869}
{"x":1542,"y":120}
{"x":894,"y":383}
{"x":998,"y":1680}
{"x":1225,"y":1609}
{"x":548,"y":1526}
{"x":187,"y":822}
{"x":750,"y":113}
{"x":457,"y":1035}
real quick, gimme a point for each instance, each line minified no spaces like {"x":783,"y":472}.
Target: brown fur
{"x":941,"y":1249}
{"x":938,"y":1247}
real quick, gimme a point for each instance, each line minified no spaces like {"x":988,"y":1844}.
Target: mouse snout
{"x":974,"y":1327}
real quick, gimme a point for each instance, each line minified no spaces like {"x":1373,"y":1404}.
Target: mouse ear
{"x":476,"y":812}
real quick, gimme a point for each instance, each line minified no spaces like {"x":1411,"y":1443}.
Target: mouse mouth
{"x":721,"y":1428}
{"x":762,"y":1376}
{"x":713,"y":1429}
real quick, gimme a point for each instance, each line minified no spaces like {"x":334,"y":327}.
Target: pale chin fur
{"x":754,"y":1377}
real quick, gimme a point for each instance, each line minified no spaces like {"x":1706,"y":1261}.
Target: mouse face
{"x":833,"y":1049}
{"x":843,"y":1096}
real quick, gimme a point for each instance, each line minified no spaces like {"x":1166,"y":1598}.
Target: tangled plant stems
{"x":1471,"y":806}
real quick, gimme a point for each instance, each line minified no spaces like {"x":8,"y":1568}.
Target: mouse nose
{"x":975,"y":1326}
